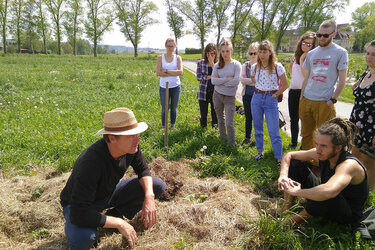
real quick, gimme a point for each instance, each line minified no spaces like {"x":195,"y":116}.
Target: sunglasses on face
{"x":306,"y":44}
{"x":323,"y":35}
{"x":253,"y":53}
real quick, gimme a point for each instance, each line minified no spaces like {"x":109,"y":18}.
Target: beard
{"x":324,"y":44}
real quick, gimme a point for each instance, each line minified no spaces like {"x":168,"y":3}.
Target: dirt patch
{"x":202,"y":213}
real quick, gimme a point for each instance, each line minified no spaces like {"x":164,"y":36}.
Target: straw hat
{"x":121,"y":121}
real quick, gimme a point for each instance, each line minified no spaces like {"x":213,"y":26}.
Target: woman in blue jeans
{"x":266,"y":74}
{"x":248,"y":91}
{"x":169,"y":68}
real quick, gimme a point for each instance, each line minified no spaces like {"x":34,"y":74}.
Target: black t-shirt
{"x":94,"y":178}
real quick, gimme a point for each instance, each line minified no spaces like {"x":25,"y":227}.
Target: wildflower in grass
{"x":35,"y":107}
{"x":41,"y":98}
{"x":32,"y":96}
{"x":41,"y":102}
{"x":204,"y":147}
{"x":1,"y":104}
{"x":56,"y":104}
{"x":27,"y":98}
{"x":242,"y":169}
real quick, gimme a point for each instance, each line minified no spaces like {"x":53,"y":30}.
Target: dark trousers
{"x":335,"y":209}
{"x":293,"y":105}
{"x":127,"y":199}
{"x":203,"y":107}
{"x":246,"y":100}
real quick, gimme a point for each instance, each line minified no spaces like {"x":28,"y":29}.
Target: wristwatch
{"x":333,"y":100}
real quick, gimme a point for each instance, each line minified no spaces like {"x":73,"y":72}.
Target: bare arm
{"x":159,"y":70}
{"x":304,"y":83}
{"x":148,"y":208}
{"x":123,"y":227}
{"x":291,"y":65}
{"x":284,"y":85}
{"x":178,"y":71}
{"x":340,"y":86}
{"x":345,"y":174}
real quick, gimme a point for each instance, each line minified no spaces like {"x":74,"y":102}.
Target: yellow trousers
{"x":313,"y":114}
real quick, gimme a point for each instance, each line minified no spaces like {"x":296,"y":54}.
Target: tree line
{"x":33,"y":23}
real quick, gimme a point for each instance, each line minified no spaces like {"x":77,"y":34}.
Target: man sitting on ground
{"x":343,"y":190}
{"x":95,"y":184}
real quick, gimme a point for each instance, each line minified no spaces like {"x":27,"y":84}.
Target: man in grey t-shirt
{"x":324,"y":65}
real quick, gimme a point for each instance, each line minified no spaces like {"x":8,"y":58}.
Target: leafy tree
{"x":263,"y":21}
{"x":134,"y":17}
{"x":42,"y":23}
{"x":29,"y":24}
{"x":241,"y":12}
{"x":314,"y":12}
{"x":362,"y":21}
{"x":175,"y":21}
{"x":199,"y":12}
{"x":72,"y":20}
{"x":286,"y":16}
{"x":3,"y":22}
{"x":83,"y":47}
{"x":219,"y":8}
{"x":17,"y":9}
{"x":99,"y":20}
{"x":55,"y":8}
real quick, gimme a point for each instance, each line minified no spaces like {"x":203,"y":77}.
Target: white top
{"x":264,"y":80}
{"x":173,"y":81}
{"x":297,"y":76}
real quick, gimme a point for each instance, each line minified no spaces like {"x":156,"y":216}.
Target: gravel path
{"x":343,"y":109}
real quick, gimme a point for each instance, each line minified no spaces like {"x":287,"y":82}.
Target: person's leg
{"x":203,"y":108}
{"x":219,"y":108}
{"x":271,"y":112}
{"x":308,"y":123}
{"x":257,"y":112}
{"x":129,"y":195}
{"x":78,"y":237}
{"x":293,"y":106}
{"x":209,"y":98}
{"x":323,"y":113}
{"x":162,"y":102}
{"x":230,"y":110}
{"x":246,"y":100}
{"x":175,"y":97}
{"x":369,"y":164}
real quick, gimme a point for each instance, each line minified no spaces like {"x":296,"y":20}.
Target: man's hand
{"x":293,"y":189}
{"x":148,"y":215}
{"x":284,"y":182}
{"x":128,"y":232}
{"x":330,"y":103}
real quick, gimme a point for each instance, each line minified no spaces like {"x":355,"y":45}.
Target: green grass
{"x":52,"y":106}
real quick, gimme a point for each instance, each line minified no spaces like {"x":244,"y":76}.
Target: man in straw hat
{"x":95,"y":184}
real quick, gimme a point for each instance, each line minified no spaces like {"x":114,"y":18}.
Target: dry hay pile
{"x":213,"y":221}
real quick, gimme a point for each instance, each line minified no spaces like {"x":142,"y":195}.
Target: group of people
{"x":95,"y":194}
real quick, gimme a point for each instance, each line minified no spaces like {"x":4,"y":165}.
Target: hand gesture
{"x":128,"y":232}
{"x":283,"y":183}
{"x":211,"y":59}
{"x":293,"y":189}
{"x":148,"y":215}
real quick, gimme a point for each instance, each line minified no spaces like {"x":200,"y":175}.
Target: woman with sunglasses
{"x":226,"y":77}
{"x":363,"y":115}
{"x":248,"y":91}
{"x":266,"y":74}
{"x":206,"y":89}
{"x":169,"y":68}
{"x":306,"y":43}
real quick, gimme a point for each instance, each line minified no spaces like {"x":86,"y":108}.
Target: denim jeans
{"x":225,"y":123}
{"x":127,"y":199}
{"x":246,"y":100}
{"x":266,"y":105}
{"x":174,"y":97}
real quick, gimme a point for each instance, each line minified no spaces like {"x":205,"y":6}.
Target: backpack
{"x":280,"y":97}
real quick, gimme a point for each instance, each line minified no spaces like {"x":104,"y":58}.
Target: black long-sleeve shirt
{"x":94,"y":178}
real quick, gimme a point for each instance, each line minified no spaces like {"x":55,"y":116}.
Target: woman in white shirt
{"x":169,"y":68}
{"x":266,"y":74}
{"x":306,"y":43}
{"x":226,"y":77}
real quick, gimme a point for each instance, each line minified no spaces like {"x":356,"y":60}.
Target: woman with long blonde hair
{"x":226,"y":77}
{"x":266,"y":74}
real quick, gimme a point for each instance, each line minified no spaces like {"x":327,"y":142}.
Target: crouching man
{"x":95,"y":183}
{"x":341,"y":194}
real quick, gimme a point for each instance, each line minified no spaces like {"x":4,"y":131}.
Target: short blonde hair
{"x":253,"y":46}
{"x":170,"y":40}
{"x":329,"y":24}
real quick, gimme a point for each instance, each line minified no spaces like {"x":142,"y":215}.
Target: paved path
{"x":343,"y":109}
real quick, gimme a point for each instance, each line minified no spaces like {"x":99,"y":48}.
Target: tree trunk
{"x":58,"y":38}
{"x":175,"y":38}
{"x":18,"y":39}
{"x":75,"y":36}
{"x":95,"y":46}
{"x":4,"y":39}
{"x":202,"y":46}
{"x":135,"y":50}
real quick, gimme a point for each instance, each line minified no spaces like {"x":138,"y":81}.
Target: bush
{"x":193,"y":51}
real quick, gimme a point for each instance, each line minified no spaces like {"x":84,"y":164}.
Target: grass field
{"x":52,"y":106}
